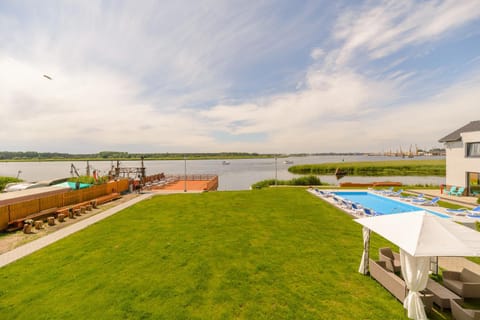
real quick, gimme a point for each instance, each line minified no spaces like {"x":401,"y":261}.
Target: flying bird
{"x":49,"y":78}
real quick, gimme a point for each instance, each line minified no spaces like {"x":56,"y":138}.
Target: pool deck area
{"x":447,"y":263}
{"x":468,"y":202}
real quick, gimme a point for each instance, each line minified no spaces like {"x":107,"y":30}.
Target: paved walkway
{"x":457,"y":264}
{"x":20,"y":252}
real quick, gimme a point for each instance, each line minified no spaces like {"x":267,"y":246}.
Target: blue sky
{"x":253,"y":76}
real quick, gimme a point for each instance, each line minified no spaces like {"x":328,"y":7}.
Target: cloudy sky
{"x":253,"y":76}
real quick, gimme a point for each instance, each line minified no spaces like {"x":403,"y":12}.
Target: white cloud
{"x":317,"y":53}
{"x":149,"y":77}
{"x":96,"y":108}
{"x":392,"y":25}
{"x":290,"y":119}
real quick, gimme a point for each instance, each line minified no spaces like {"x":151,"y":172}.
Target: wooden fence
{"x":212,"y":184}
{"x":153,"y":178}
{"x":24,"y":208}
{"x":212,"y":179}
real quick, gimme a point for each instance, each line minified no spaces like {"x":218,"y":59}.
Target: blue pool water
{"x":381,"y":204}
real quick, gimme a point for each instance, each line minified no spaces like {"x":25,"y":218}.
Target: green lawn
{"x":266,"y":254}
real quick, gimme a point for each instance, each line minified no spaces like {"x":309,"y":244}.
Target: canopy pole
{"x":434,"y":265}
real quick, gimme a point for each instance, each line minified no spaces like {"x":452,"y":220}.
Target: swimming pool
{"x":381,"y":204}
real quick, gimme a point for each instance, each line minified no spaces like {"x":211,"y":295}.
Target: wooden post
{"x":38,"y":224}
{"x":27,"y":228}
{"x":61,"y":217}
{"x":51,"y":221}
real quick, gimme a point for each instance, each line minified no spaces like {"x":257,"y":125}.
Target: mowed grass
{"x":278,"y":253}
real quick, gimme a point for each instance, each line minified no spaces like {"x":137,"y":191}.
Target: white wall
{"x":457,"y":163}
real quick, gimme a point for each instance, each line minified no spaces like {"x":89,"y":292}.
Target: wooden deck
{"x":196,"y":185}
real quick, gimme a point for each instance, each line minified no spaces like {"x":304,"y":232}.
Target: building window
{"x":473,"y":183}
{"x":473,"y":149}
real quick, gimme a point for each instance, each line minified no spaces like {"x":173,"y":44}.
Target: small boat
{"x":339,"y":173}
{"x":18,"y":186}
{"x":225,"y":162}
{"x":288,"y":161}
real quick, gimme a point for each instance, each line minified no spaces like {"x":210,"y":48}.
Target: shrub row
{"x":301,"y":181}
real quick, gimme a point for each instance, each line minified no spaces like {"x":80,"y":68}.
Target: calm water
{"x":238,"y":175}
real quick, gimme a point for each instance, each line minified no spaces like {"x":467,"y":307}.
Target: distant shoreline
{"x":123,"y":156}
{"x":31,"y":156}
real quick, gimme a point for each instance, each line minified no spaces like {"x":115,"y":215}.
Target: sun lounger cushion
{"x":465,"y":283}
{"x":392,"y":259}
{"x":461,"y":313}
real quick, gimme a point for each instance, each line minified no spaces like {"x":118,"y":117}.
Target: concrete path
{"x":457,"y":264}
{"x":22,"y":251}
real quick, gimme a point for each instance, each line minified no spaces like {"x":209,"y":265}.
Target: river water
{"x":238,"y":175}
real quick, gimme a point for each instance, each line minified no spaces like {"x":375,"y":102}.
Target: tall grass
{"x":310,"y":180}
{"x":376,"y":168}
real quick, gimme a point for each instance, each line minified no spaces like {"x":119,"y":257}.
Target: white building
{"x":463,"y":157}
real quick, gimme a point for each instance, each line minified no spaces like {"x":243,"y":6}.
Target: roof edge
{"x":456,"y":135}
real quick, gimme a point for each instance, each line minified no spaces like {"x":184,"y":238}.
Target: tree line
{"x":106,"y":155}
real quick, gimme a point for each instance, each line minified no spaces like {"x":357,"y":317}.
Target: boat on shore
{"x":19,"y":186}
{"x":340,"y":173}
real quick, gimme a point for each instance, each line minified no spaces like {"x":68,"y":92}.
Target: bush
{"x":302,"y":181}
{"x":305,"y":181}
{"x":263,"y":184}
{"x":6,"y":180}
{"x":89,"y":180}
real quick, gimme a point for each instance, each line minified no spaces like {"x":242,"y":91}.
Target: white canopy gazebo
{"x":420,"y":235}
